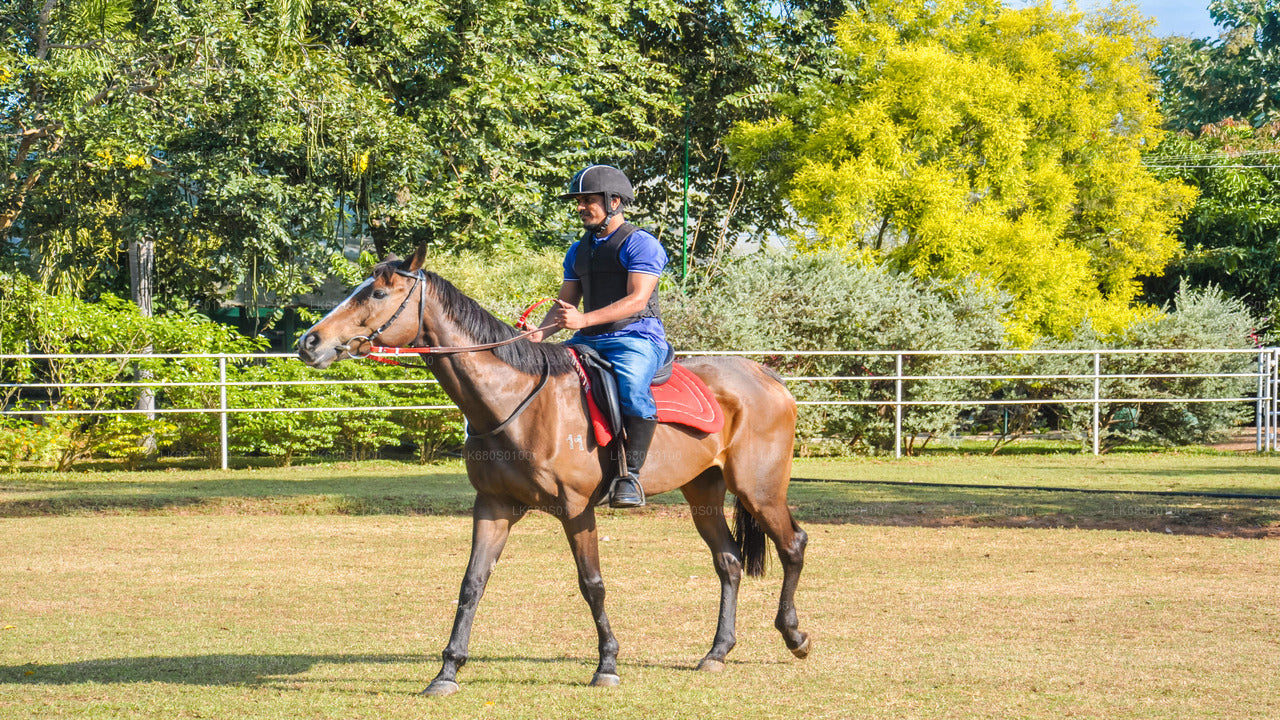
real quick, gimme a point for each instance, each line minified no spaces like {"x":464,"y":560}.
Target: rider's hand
{"x":564,"y":315}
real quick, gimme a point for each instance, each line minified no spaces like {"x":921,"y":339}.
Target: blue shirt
{"x":641,"y":253}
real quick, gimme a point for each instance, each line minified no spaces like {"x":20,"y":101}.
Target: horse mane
{"x":523,"y":355}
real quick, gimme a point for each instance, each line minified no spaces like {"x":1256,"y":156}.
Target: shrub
{"x":771,"y":301}
{"x":1198,"y":318}
{"x":34,"y":321}
{"x":360,"y":434}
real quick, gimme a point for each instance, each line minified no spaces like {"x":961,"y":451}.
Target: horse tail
{"x":750,"y":540}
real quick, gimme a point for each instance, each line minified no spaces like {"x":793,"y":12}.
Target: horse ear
{"x":419,"y":258}
{"x":390,"y":258}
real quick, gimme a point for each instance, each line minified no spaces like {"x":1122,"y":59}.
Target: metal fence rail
{"x":1266,"y":375}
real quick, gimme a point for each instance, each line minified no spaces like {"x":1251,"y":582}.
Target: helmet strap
{"x":609,"y":212}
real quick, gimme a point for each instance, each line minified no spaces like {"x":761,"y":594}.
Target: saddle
{"x":682,"y":397}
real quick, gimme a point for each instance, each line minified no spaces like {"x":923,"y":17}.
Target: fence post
{"x":1097,"y":401}
{"x":897,"y":410}
{"x":1257,"y":417}
{"x":222,"y":405}
{"x":1272,"y":386}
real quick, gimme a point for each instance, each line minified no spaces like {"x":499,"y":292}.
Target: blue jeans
{"x":635,"y":361}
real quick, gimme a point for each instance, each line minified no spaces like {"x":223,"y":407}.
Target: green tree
{"x":729,"y":59}
{"x":1236,"y":75}
{"x":251,"y":141}
{"x":963,"y":138}
{"x":1231,"y":238}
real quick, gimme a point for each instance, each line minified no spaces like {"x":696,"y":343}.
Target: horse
{"x":529,"y":447}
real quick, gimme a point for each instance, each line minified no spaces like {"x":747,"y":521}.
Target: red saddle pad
{"x":683,"y":400}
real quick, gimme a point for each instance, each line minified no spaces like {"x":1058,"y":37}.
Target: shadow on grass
{"x":437,"y":494}
{"x":233,"y":670}
{"x":872,"y":503}
{"x":190,"y":670}
{"x":818,"y":501}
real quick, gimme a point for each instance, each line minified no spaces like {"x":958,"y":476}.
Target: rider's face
{"x":591,"y":210}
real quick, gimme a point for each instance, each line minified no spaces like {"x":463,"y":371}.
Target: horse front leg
{"x":581,"y":531}
{"x":491,"y":524}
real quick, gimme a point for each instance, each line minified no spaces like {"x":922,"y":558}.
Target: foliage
{"x":1196,"y":319}
{"x":1205,"y":81}
{"x":1231,"y":238}
{"x":313,"y":430}
{"x":728,"y":59}
{"x":963,"y":139}
{"x":817,"y":302}
{"x":252,"y":141}
{"x":1203,"y":318}
{"x":35,"y":322}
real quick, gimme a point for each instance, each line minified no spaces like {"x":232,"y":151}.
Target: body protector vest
{"x":604,"y":279}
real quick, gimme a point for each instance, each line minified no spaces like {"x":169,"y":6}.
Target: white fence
{"x":1264,"y":375}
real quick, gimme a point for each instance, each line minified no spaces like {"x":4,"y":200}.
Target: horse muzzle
{"x":313,"y":351}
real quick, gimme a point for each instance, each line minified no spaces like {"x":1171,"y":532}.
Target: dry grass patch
{"x":344,"y":617}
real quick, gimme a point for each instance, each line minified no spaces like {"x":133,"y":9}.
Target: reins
{"x":375,"y":352}
{"x":419,"y":279}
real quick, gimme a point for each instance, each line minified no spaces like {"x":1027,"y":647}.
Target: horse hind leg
{"x":706,"y":503}
{"x":774,"y":520}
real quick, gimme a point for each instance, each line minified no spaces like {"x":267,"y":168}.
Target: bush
{"x":360,"y":434}
{"x":36,"y":322}
{"x":1199,"y":318}
{"x":771,"y":301}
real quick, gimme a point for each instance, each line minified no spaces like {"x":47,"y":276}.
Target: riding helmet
{"x":600,"y":180}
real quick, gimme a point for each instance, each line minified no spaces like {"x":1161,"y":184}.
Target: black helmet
{"x":601,"y":180}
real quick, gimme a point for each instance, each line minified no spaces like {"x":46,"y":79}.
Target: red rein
{"x":522,"y":324}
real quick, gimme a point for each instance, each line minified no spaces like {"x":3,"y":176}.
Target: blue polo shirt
{"x":641,"y":253}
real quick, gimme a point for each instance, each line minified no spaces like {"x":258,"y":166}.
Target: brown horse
{"x":545,"y":458}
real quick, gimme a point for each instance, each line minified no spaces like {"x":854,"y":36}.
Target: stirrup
{"x":626,"y":492}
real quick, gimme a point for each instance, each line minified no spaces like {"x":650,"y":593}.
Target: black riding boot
{"x":627,"y":492}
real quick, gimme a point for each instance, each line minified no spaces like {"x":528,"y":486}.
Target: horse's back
{"x":741,"y":385}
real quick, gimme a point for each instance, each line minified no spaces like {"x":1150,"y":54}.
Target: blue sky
{"x":1173,"y":17}
{"x":1180,"y":17}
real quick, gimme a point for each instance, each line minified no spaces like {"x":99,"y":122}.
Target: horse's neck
{"x":483,"y":386}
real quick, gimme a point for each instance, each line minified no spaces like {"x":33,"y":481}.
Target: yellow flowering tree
{"x":962,"y":138}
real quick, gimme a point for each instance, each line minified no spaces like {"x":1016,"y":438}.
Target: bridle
{"x":415,"y":348}
{"x":419,"y":278}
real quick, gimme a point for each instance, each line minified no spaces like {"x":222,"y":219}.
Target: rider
{"x":613,"y":269}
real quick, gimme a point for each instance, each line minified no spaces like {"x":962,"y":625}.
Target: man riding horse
{"x":613,"y":270}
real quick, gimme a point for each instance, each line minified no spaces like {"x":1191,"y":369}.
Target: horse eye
{"x":379,"y":294}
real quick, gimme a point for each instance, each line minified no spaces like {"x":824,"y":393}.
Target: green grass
{"x":328,"y":592}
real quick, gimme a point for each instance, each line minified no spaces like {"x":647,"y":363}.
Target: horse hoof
{"x":710,"y":665}
{"x":802,"y":650}
{"x":605,"y":680}
{"x":441,"y":688}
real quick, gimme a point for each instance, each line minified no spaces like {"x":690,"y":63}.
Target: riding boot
{"x":627,"y":491}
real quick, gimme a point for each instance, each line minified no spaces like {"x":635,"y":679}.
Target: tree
{"x":251,"y":141}
{"x":961,"y":138}
{"x":1231,"y":238}
{"x":1237,"y":75}
{"x":729,"y":59}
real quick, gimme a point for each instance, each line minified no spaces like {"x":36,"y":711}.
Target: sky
{"x":1173,"y":17}
{"x":1178,"y":17}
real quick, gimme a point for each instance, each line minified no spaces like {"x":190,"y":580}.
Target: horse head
{"x":374,"y":311}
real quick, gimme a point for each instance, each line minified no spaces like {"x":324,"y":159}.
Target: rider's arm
{"x":570,"y":293}
{"x":639,"y":287}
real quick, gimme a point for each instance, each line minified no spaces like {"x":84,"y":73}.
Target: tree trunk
{"x":141,"y":271}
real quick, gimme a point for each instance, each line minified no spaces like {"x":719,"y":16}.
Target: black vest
{"x":604,"y":279}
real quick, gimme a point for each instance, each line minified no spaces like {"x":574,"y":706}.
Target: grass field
{"x":328,"y":591}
